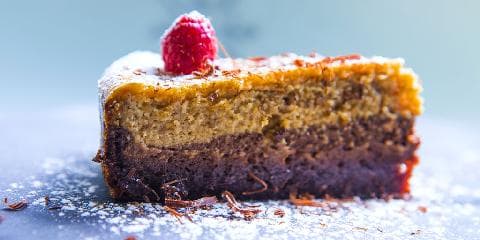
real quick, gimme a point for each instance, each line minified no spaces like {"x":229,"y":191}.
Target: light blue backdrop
{"x":52,"y":52}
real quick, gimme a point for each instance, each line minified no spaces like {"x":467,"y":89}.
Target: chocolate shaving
{"x":342,"y":59}
{"x":198,"y":203}
{"x":138,"y":72}
{"x":257,"y":59}
{"x":305,"y":200}
{"x":263,"y":183}
{"x":422,"y":209}
{"x":55,"y":208}
{"x":47,"y":202}
{"x":361,"y":228}
{"x":173,"y":201}
{"x":231,"y":73}
{"x":188,"y":217}
{"x":418,"y":231}
{"x":176,"y":214}
{"x":299,"y":62}
{"x":17,"y":206}
{"x":279,"y":212}
{"x":207,"y":71}
{"x":248,"y":213}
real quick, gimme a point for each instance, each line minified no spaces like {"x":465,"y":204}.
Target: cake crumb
{"x":17,"y":206}
{"x":361,"y":228}
{"x":248,"y":213}
{"x":422,"y":209}
{"x":418,"y":231}
{"x":279,"y":212}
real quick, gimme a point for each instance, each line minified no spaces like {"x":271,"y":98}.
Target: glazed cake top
{"x":142,"y":71}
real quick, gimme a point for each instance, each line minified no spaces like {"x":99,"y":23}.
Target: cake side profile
{"x":260,"y":128}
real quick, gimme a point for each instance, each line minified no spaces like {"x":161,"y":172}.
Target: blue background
{"x":52,"y":52}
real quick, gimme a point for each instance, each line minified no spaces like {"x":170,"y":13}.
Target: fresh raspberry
{"x":189,"y":44}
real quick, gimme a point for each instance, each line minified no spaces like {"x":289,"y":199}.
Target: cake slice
{"x":342,"y":127}
{"x":261,"y":128}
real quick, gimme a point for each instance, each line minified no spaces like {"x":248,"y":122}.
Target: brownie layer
{"x":370,"y":157}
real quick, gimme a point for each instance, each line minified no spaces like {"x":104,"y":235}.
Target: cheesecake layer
{"x":173,"y":111}
{"x":370,"y":157}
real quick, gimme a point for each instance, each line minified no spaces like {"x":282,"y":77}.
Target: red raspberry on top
{"x":189,"y":44}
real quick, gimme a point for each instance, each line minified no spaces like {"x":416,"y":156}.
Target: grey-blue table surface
{"x":49,"y":152}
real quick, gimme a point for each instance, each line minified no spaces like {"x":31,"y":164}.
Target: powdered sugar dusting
{"x":148,"y":68}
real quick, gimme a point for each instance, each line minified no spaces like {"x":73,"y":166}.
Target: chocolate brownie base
{"x":370,"y":157}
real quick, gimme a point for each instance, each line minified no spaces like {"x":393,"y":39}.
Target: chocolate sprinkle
{"x":17,"y":206}
{"x":176,"y":214}
{"x":422,"y":209}
{"x":54,"y":208}
{"x":305,"y":200}
{"x":279,"y":212}
{"x":198,"y":203}
{"x":248,"y":213}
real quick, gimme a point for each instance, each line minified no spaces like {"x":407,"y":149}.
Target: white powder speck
{"x":135,"y":228}
{"x":69,"y":208}
{"x":102,"y":212}
{"x":92,"y":189}
{"x":115,"y":230}
{"x":39,"y":201}
{"x":37,"y":184}
{"x":85,"y":214}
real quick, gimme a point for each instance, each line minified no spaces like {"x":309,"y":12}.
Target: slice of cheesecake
{"x":260,"y":128}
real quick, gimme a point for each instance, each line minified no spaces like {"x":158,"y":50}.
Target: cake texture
{"x":260,"y":128}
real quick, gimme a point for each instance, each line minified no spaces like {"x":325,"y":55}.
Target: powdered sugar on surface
{"x":445,"y":205}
